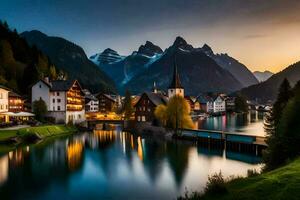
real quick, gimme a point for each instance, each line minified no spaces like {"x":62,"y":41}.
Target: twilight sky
{"x":262,"y":34}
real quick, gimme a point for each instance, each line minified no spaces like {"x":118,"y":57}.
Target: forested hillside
{"x":20,"y":64}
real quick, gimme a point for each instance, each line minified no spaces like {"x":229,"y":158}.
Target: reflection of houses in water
{"x":4,"y":167}
{"x":102,"y":139}
{"x":140,"y":149}
{"x":16,"y":157}
{"x":55,"y":154}
{"x":74,"y":155}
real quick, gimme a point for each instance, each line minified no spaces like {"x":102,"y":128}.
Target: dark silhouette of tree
{"x":128,"y":107}
{"x":39,"y":109}
{"x":275,"y":155}
{"x":241,"y":103}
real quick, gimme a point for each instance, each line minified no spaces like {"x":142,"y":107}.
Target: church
{"x":148,"y":101}
{"x":175,"y":88}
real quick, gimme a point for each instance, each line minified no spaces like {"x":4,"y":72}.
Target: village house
{"x":230,"y":104}
{"x":191,"y":102}
{"x":4,"y":103}
{"x":106,"y":102}
{"x":91,"y":102}
{"x":15,"y":102}
{"x":203,"y":103}
{"x":145,"y":107}
{"x":64,"y":99}
{"x":219,"y":105}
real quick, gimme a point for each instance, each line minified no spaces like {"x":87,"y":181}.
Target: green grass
{"x":6,"y":134}
{"x":43,"y":132}
{"x":282,"y":183}
{"x":47,"y":131}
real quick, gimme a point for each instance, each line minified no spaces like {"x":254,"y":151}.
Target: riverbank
{"x":10,"y":139}
{"x":282,"y":183}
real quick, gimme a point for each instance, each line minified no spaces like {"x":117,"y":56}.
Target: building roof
{"x":176,"y":80}
{"x":107,"y":96}
{"x":90,"y":97}
{"x":221,"y":97}
{"x":13,"y":94}
{"x":5,"y":88}
{"x":155,"y":98}
{"x":61,"y":85}
{"x":204,"y":99}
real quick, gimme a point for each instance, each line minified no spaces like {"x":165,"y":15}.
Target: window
{"x":58,"y":100}
{"x":139,"y":118}
{"x":53,"y":100}
{"x":58,"y":107}
{"x":143,"y":118}
{"x":40,"y":86}
{"x":57,"y":93}
{"x":79,"y":116}
{"x":53,"y":108}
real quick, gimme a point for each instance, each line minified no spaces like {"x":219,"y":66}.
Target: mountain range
{"x":262,"y":76}
{"x":200,"y":69}
{"x":72,"y":59}
{"x":268,"y":89}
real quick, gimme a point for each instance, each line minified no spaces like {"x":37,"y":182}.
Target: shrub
{"x":216,"y":184}
{"x":30,"y":137}
{"x":252,"y":172}
{"x":190,"y":195}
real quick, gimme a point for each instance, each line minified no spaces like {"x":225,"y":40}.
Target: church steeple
{"x":176,"y":80}
{"x":175,"y":88}
{"x":154,"y":87}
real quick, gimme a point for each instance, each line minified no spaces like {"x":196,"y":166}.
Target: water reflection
{"x":250,"y":123}
{"x":106,"y":164}
{"x":3,"y":169}
{"x":74,"y":155}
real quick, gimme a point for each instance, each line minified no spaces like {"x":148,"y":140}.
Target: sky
{"x":262,"y":34}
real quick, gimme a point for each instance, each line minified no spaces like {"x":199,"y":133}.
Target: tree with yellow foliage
{"x":176,"y":114}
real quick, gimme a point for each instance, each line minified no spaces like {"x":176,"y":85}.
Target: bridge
{"x":229,"y":140}
{"x":92,"y":123}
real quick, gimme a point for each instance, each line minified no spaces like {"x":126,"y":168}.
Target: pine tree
{"x":52,"y":73}
{"x":274,"y":155}
{"x":128,"y":108}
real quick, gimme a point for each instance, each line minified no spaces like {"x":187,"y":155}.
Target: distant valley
{"x":268,"y":89}
{"x":262,"y":76}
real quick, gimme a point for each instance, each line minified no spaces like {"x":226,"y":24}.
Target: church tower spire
{"x":175,"y":87}
{"x":154,"y":87}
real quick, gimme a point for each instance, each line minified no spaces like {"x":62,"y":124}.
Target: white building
{"x":219,"y":105}
{"x":175,"y":87}
{"x":91,"y":103}
{"x":3,"y":99}
{"x":4,"y":103}
{"x":64,"y":99}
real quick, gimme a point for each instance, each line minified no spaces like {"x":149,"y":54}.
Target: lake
{"x":248,"y":124}
{"x":116,"y":164}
